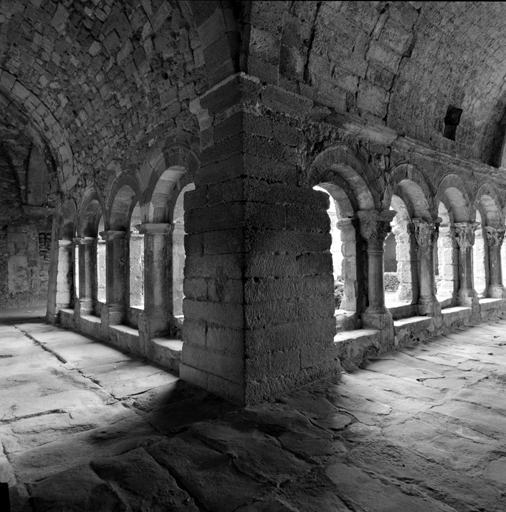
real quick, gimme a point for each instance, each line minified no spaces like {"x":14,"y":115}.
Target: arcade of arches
{"x":253,"y":195}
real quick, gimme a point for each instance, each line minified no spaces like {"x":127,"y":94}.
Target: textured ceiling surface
{"x":101,"y":82}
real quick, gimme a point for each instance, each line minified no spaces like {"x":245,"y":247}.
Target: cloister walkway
{"x":86,"y":427}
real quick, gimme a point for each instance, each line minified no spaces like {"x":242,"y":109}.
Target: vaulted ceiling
{"x":98,"y":83}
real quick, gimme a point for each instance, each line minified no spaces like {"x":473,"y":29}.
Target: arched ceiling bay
{"x":402,"y":64}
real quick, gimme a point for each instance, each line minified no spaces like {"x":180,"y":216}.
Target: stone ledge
{"x":66,"y":317}
{"x":491,"y":303}
{"x":124,"y":337}
{"x":92,"y":319}
{"x":456,"y":315}
{"x":167,"y":352}
{"x":418,"y":322}
{"x":354,"y":347}
{"x":402,"y":311}
{"x":413,"y":329}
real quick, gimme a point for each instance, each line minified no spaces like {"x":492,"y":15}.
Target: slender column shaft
{"x":495,"y":238}
{"x":464,"y":235}
{"x":116,"y":257}
{"x":374,"y":227}
{"x":426,"y":238}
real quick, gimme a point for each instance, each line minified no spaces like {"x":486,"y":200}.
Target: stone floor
{"x":85,"y":427}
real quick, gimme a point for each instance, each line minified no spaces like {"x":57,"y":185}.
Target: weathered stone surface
{"x":256,"y":455}
{"x":146,"y":484}
{"x":217,"y":483}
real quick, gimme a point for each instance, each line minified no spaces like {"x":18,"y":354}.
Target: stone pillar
{"x":63,"y":295}
{"x":374,"y":227}
{"x":426,"y":238}
{"x":349,"y":263}
{"x":403,"y":233}
{"x":136,"y":270}
{"x":155,"y":319}
{"x":86,"y":247}
{"x":258,"y":306}
{"x":113,"y":312}
{"x":447,"y":266}
{"x":495,"y":238}
{"x":464,"y":236}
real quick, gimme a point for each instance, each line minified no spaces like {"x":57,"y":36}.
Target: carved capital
{"x":156,"y":229}
{"x":113,"y":235}
{"x":464,"y":233}
{"x":495,"y":236}
{"x":426,"y":233}
{"x":375,"y":226}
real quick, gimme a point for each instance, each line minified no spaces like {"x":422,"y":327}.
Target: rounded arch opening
{"x":178,"y":251}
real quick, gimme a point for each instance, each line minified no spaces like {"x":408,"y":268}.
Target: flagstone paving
{"x":85,"y":427}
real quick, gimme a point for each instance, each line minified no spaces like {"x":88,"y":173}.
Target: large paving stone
{"x":400,"y":467}
{"x":128,"y":433}
{"x":76,"y":489}
{"x":209,"y":476}
{"x":255,"y":454}
{"x":146,"y":486}
{"x":373,"y":493}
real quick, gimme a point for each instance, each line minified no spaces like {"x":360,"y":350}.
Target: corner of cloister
{"x":248,"y":194}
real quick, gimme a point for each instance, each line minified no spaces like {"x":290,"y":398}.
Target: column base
{"x":496,"y":291}
{"x":83,"y":307}
{"x":467,"y":298}
{"x":429,"y":306}
{"x":384,"y":323}
{"x":111,"y":314}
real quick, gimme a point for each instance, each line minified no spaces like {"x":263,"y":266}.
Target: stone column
{"x":426,"y":234}
{"x":136,"y":270}
{"x":64,"y":275}
{"x":349,"y":264}
{"x":113,"y":312}
{"x":86,"y":247}
{"x":374,"y":228}
{"x":495,"y":238}
{"x":407,"y":283}
{"x":464,"y":236}
{"x":155,"y":319}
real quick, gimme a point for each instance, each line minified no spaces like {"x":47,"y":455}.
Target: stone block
{"x":194,"y":332}
{"x":372,"y":99}
{"x":272,"y":364}
{"x":307,"y":220}
{"x":226,"y":290}
{"x":256,"y":290}
{"x":224,"y":314}
{"x":229,"y":127}
{"x":195,"y":288}
{"x":223,"y":150}
{"x":225,"y":339}
{"x":224,"y":242}
{"x":215,"y":362}
{"x":194,"y":244}
{"x":286,"y":241}
{"x":229,"y":265}
{"x":215,"y":218}
{"x":286,"y":102}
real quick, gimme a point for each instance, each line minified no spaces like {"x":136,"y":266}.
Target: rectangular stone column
{"x":113,"y":312}
{"x":86,"y":247}
{"x":155,"y":319}
{"x":258,"y":307}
